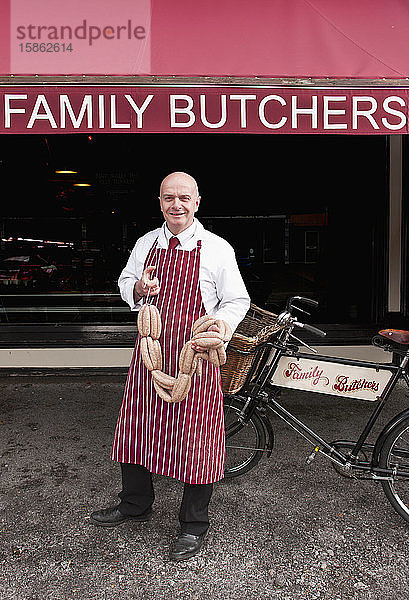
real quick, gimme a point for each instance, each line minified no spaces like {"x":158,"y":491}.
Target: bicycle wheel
{"x":395,"y":454}
{"x":245,"y":442}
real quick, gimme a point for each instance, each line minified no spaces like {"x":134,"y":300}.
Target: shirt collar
{"x":184,"y":236}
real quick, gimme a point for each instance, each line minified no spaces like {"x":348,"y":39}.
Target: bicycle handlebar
{"x":288,"y":321}
{"x":310,"y":328}
{"x":301,"y":299}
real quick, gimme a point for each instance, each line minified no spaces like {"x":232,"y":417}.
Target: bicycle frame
{"x":254,"y":391}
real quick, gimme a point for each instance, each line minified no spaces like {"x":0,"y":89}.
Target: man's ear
{"x":197,"y":203}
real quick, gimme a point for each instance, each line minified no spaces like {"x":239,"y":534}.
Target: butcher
{"x":187,"y":272}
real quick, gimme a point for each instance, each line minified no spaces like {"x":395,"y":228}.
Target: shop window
{"x":305,"y":215}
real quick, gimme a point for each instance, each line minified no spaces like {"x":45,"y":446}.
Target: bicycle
{"x":279,"y":364}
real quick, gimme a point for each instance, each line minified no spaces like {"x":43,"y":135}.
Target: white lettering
{"x":330,"y":111}
{"x":65,"y":106}
{"x":178,"y":110}
{"x":114,"y":123}
{"x":41,"y":102}
{"x":364,"y":113}
{"x":223,"y":118}
{"x":139,"y":110}
{"x":262,"y":116}
{"x":295,"y":111}
{"x":101,"y":111}
{"x":8,"y":110}
{"x":392,"y":111}
{"x":243,"y":106}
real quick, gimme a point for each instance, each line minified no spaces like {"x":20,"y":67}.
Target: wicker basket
{"x":256,"y":327}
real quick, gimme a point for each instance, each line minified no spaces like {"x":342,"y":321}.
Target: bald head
{"x":180,"y":177}
{"x":179,"y":200}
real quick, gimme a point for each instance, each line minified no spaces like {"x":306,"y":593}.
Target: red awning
{"x":315,"y":38}
{"x":265,"y":38}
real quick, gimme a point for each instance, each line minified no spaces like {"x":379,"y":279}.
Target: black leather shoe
{"x":186,"y":546}
{"x":110,"y":517}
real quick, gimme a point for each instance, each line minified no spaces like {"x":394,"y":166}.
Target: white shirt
{"x":223,"y":291}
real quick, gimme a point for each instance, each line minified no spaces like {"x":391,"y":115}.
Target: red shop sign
{"x":150,"y":109}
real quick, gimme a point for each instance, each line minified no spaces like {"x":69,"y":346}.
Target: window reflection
{"x":44,"y":280}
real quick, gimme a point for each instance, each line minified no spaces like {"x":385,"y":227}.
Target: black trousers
{"x":138,"y":495}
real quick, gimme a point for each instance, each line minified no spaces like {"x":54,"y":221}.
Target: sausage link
{"x":182,"y":387}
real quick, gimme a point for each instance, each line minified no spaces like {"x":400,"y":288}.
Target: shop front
{"x":307,"y":214}
{"x":304,"y":176}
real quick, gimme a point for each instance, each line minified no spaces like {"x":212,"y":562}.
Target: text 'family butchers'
{"x":195,"y":111}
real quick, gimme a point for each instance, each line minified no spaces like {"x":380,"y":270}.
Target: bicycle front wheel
{"x":394,"y":454}
{"x":245,"y":441}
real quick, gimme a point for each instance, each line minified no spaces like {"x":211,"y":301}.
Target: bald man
{"x":188,"y":272}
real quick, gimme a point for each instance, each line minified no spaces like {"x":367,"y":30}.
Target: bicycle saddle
{"x":399,"y":336}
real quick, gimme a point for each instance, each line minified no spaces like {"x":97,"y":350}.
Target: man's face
{"x":179,"y":201}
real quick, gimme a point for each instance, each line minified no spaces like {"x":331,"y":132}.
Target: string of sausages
{"x":175,"y":389}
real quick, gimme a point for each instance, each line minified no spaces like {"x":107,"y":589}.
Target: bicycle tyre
{"x":245,"y":443}
{"x":397,"y":490}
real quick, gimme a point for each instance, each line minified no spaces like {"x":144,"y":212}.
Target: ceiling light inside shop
{"x":67,"y":172}
{"x":82,"y":185}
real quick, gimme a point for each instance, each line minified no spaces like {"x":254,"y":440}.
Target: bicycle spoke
{"x":404,"y":435}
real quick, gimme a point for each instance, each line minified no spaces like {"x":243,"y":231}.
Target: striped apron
{"x":183,"y":440}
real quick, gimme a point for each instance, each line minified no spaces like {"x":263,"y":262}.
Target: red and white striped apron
{"x":183,"y":440}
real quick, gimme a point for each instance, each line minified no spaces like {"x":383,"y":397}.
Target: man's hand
{"x":200,"y":348}
{"x":147,"y":285}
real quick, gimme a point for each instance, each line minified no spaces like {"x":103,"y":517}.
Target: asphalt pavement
{"x":285,"y":531}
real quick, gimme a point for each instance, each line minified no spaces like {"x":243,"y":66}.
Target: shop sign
{"x":330,"y":378}
{"x":190,"y":109}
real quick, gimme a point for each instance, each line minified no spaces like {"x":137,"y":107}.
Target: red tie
{"x":173,"y":242}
